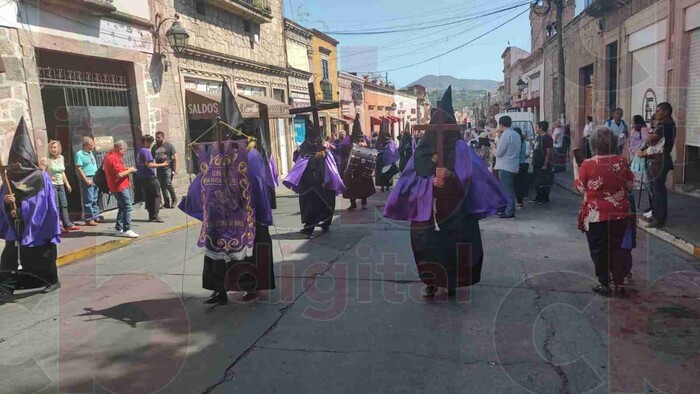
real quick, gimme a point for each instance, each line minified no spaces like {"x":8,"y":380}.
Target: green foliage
{"x":460,"y":98}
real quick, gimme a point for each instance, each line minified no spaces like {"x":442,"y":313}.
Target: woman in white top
{"x":56,"y":167}
{"x":558,"y":135}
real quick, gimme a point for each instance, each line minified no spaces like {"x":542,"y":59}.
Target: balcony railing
{"x":254,"y":10}
{"x":327,"y":90}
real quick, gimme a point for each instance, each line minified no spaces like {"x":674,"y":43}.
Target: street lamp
{"x":521,"y":85}
{"x":177,"y":35}
{"x":393,"y":107}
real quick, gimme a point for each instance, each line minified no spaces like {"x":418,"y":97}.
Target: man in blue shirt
{"x":508,"y":162}
{"x":618,"y":126}
{"x":86,"y":168}
{"x":145,"y":178}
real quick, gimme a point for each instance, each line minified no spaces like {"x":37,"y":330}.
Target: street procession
{"x":302,"y":196}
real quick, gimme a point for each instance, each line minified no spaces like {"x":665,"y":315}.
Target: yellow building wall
{"x":317,"y":67}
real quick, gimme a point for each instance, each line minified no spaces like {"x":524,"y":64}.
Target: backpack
{"x":100,"y":180}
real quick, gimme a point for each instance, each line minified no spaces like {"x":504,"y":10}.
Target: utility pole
{"x":560,"y":4}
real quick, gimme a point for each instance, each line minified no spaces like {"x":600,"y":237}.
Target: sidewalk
{"x":92,"y":241}
{"x":682,"y":227}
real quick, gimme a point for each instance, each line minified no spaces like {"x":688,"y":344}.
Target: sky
{"x":388,"y":53}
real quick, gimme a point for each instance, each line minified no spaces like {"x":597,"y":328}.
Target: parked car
{"x":526,"y":122}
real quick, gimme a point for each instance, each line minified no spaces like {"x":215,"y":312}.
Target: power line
{"x":460,"y":46}
{"x":422,"y":26}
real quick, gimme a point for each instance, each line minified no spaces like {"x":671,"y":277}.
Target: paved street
{"x":347,"y":317}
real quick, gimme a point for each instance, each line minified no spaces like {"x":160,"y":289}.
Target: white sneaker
{"x":118,"y":233}
{"x":130,"y":234}
{"x":648,"y":215}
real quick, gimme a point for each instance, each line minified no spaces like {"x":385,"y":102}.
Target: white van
{"x":524,"y":120}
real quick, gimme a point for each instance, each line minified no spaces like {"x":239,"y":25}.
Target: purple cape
{"x":412,"y":198}
{"x":274,"y":175}
{"x":40,"y":215}
{"x":332,"y":179}
{"x":390,"y":154}
{"x":228,"y":214}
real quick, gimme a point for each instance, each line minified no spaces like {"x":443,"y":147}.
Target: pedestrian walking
{"x":587,"y":130}
{"x":56,"y":167}
{"x":605,"y":182}
{"x":388,"y":155}
{"x":358,"y":184}
{"x":508,"y":151}
{"x":542,"y":163}
{"x":145,"y":178}
{"x":29,"y":221}
{"x":454,"y":198}
{"x":164,"y":152}
{"x":86,"y":168}
{"x":659,"y":164}
{"x":316,"y":179}
{"x":117,"y":175}
{"x":521,"y":180}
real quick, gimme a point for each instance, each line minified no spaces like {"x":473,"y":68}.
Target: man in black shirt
{"x":542,"y":163}
{"x":660,"y":164}
{"x":164,"y":151}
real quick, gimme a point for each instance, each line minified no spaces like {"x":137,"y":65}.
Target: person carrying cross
{"x":446,"y":185}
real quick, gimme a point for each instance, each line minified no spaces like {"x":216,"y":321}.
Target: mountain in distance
{"x":434,"y":82}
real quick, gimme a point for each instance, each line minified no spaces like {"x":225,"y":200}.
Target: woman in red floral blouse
{"x":604,"y":180}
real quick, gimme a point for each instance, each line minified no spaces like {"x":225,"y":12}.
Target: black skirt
{"x":38,"y":266}
{"x":251,"y":274}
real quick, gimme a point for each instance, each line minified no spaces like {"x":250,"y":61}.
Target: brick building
{"x":352,"y":101}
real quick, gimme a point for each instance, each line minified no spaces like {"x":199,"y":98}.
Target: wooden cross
{"x":314,"y":108}
{"x":440,"y":127}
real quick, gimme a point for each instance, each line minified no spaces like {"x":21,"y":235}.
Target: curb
{"x":91,"y":251}
{"x":693,"y":250}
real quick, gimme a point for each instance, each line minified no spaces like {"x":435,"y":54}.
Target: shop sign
{"x":104,"y":143}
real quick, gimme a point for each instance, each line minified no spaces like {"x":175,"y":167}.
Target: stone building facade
{"x":298,"y":41}
{"x":352,"y":98}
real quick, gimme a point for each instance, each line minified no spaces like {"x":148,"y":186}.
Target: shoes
{"x":125,"y":234}
{"x":130,"y":234}
{"x":429,"y":291}
{"x":174,"y":204}
{"x":620,"y":290}
{"x":325,"y":228}
{"x":364,"y":207}
{"x":72,"y":228}
{"x":602,"y":290}
{"x":166,"y":204}
{"x":218,"y":298}
{"x":91,"y":223}
{"x":628,"y":278}
{"x":352,"y":207}
{"x":309,"y":232}
{"x":156,"y":219}
{"x":504,"y":216}
{"x":6,"y":291}
{"x":655,"y":223}
{"x":520,"y":206}
{"x":648,"y":215}
{"x":51,"y":288}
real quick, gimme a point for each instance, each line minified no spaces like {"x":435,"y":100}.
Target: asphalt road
{"x":347,"y":317}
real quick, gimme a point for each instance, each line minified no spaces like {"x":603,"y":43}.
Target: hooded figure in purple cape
{"x":316,"y":179}
{"x":32,"y":236}
{"x":231,"y":196}
{"x":464,"y":192}
{"x":388,"y":156}
{"x":356,"y":185}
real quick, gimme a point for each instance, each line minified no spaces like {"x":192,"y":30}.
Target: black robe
{"x":250,"y":274}
{"x":38,"y":266}
{"x":356,"y":187}
{"x":316,"y":203}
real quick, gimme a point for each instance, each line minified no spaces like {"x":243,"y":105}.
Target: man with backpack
{"x":118,"y":182}
{"x":618,"y":127}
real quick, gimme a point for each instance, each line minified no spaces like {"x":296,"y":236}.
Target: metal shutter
{"x":692,"y":132}
{"x":648,"y":72}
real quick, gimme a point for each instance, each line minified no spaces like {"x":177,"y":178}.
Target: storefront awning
{"x":375,"y":121}
{"x":336,"y":119}
{"x":348,"y":118}
{"x":204,"y":105}
{"x":274,"y":108}
{"x":531,"y":103}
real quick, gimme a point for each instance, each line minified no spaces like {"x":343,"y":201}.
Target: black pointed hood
{"x":357,"y":134}
{"x":312,"y":141}
{"x":24,"y":173}
{"x":384,"y":134}
{"x":425,"y":166}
